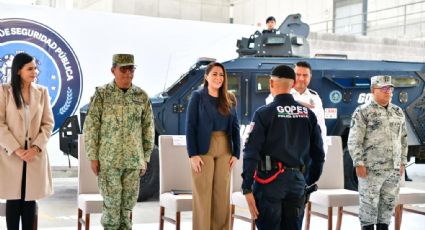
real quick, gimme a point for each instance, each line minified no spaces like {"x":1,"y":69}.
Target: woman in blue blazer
{"x":213,"y":144}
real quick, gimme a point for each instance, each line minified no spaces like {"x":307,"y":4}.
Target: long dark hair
{"x":19,"y":61}
{"x":225,"y":99}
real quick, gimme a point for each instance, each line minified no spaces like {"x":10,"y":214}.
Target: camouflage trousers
{"x":378,"y":196}
{"x":119,"y":189}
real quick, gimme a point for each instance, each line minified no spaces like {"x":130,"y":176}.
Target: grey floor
{"x":59,"y":211}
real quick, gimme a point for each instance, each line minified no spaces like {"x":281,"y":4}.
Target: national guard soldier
{"x":378,"y":146}
{"x":284,"y":135}
{"x":119,"y":138}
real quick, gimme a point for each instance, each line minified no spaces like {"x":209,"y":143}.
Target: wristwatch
{"x":36,"y":148}
{"x":246,"y":191}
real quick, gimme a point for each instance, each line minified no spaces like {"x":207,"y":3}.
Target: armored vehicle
{"x":342,"y":84}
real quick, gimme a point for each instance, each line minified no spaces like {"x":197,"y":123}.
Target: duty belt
{"x":272,"y":178}
{"x":273,"y":165}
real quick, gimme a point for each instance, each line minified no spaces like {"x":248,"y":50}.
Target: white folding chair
{"x":331,"y":192}
{"x":174,"y":174}
{"x":2,"y":208}
{"x":237,"y":198}
{"x":89,"y":199}
{"x":407,"y":196}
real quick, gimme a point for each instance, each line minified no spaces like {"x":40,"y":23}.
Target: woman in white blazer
{"x":26,"y":123}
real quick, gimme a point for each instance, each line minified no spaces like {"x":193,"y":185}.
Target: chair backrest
{"x":174,"y":165}
{"x":237,"y":171}
{"x":87,"y":181}
{"x":403,"y":181}
{"x":2,"y":208}
{"x":333,"y":170}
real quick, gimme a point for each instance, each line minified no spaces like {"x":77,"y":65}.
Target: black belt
{"x":275,"y":166}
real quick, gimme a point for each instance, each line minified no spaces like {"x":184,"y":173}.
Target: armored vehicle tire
{"x":149,"y":183}
{"x":350,"y":177}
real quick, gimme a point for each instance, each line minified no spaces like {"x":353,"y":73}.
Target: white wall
{"x":252,"y":12}
{"x":164,"y":48}
{"x":395,"y":19}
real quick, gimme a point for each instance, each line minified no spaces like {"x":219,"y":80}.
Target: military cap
{"x":123,"y":59}
{"x":283,"y":71}
{"x":380,"y":81}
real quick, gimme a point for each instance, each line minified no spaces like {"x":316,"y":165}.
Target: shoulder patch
{"x":313,"y":92}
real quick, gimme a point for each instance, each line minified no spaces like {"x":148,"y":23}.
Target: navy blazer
{"x":199,"y":126}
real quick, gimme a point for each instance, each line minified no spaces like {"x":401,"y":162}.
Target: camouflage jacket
{"x":119,"y":127}
{"x":378,"y":136}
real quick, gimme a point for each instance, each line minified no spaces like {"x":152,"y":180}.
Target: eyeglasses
{"x":386,"y":89}
{"x":124,"y":69}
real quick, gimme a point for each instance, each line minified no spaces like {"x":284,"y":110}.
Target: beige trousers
{"x":211,"y":187}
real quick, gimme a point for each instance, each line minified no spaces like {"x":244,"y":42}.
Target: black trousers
{"x":281,"y":203}
{"x":285,"y":214}
{"x":16,"y":209}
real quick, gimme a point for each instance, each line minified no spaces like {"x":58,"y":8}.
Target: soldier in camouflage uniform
{"x":378,"y":146}
{"x":119,"y":138}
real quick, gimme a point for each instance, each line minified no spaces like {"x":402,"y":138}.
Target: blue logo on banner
{"x":59,"y":69}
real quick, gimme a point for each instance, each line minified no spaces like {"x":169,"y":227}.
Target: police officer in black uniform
{"x":270,"y":23}
{"x":284,"y":135}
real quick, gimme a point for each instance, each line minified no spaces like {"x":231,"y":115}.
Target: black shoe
{"x":406,"y":177}
{"x":382,"y":227}
{"x":368,"y":227}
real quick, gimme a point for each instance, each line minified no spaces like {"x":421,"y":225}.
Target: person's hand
{"x":232,"y":162}
{"x":143,"y":170}
{"x":95,"y":167}
{"x":29,"y":154}
{"x":196,"y":163}
{"x":361,"y":171}
{"x":402,"y":170}
{"x":251,"y":204}
{"x":20,"y":152}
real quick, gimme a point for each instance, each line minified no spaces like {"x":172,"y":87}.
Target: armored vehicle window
{"x":233,"y":83}
{"x":405,"y":81}
{"x":262,"y":83}
{"x":198,"y":85}
{"x":364,"y":81}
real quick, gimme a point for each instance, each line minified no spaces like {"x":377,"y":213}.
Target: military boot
{"x":368,"y":227}
{"x":382,"y":227}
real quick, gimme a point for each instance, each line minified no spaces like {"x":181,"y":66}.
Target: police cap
{"x":283,"y":71}
{"x":122,"y":59}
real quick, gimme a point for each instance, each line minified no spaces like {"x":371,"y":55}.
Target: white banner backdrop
{"x":164,"y":49}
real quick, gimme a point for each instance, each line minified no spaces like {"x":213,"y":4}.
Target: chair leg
{"x":329,"y":218}
{"x":339,"y":218}
{"x":80,"y":215}
{"x":177,"y":220}
{"x":308,"y":216}
{"x":161,"y":217}
{"x":398,"y":216}
{"x":36,"y":221}
{"x":87,"y":221}
{"x":232,"y":217}
{"x":401,"y":217}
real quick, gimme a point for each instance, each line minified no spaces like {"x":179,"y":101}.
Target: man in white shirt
{"x":307,"y":97}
